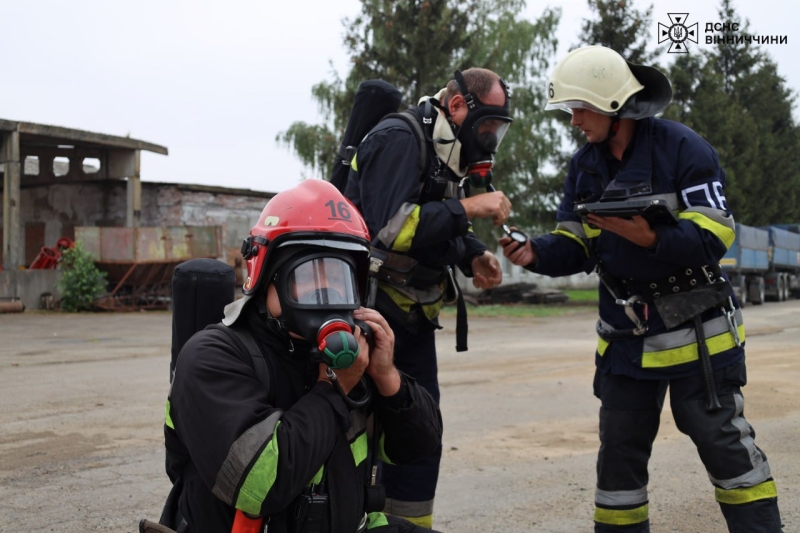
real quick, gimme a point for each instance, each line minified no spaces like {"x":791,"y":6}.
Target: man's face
{"x":594,"y":126}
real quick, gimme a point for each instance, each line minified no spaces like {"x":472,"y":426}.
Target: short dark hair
{"x":479,"y":81}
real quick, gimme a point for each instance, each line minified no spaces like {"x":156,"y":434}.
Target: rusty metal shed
{"x":61,"y":155}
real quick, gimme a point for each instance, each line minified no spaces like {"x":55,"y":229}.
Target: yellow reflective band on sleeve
{"x":317,"y":477}
{"x":618,"y":517}
{"x":762,"y":491}
{"x":359,"y":448}
{"x":260,"y":478}
{"x":602,"y":346}
{"x":167,"y":418}
{"x":382,"y":451}
{"x":376,"y":520}
{"x":723,"y":233}
{"x":573,"y":237}
{"x":591,"y":232}
{"x":403,"y":241}
{"x":688,"y":353}
{"x":354,"y":162}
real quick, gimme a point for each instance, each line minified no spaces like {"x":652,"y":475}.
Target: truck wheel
{"x":756,"y":292}
{"x":781,"y":282}
{"x":742,"y":291}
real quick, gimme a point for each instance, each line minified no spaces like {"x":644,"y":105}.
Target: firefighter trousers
{"x":410,"y":489}
{"x":629,"y":420}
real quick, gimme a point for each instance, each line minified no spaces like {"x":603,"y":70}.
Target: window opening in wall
{"x":31,"y":166}
{"x":91,"y":165}
{"x":60,"y":166}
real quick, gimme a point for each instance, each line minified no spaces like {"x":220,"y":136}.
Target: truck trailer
{"x":764,"y":263}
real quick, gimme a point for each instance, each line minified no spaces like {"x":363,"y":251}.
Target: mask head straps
{"x":471,"y":98}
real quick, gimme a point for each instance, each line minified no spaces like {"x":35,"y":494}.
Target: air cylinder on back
{"x":201,"y":288}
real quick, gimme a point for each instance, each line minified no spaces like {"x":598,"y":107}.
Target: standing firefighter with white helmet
{"x":644,"y":206}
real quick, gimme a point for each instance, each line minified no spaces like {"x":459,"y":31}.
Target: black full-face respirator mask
{"x":318,"y":294}
{"x":481,"y":133}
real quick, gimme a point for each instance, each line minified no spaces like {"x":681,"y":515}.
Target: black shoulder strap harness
{"x":421,"y":134}
{"x":244,"y":339}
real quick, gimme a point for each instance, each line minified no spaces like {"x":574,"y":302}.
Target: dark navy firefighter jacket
{"x":680,"y":164}
{"x":386,"y":186}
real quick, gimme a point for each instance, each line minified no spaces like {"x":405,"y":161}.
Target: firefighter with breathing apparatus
{"x":276,"y":417}
{"x":419,"y":177}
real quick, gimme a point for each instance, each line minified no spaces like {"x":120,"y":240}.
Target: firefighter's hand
{"x":381,"y":359}
{"x":486,"y":271}
{"x":348,"y":377}
{"x":492,"y":205}
{"x":637,"y":229}
{"x":519,"y":254}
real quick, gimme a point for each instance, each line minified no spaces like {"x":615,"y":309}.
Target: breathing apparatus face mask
{"x":481,"y":133}
{"x":318,"y":294}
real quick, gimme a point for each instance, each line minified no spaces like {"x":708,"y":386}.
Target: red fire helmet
{"x":314,"y":215}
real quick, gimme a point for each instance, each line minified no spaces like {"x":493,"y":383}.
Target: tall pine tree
{"x":621,"y":27}
{"x":734,"y":97}
{"x":417,"y":45}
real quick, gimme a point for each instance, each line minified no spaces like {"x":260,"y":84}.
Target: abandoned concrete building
{"x":58,"y":179}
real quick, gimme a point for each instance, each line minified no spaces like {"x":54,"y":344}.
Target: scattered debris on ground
{"x":528,"y":293}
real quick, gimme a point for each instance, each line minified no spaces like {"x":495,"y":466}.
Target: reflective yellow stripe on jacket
{"x":680,"y":346}
{"x":716,"y":221}
{"x":256,"y":480}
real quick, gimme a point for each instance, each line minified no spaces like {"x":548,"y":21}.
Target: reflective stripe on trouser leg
{"x":418,"y":513}
{"x":410,"y":489}
{"x":629,"y":421}
{"x":725,"y":441}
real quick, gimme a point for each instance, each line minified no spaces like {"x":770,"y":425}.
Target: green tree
{"x":81,"y":282}
{"x":734,"y":97}
{"x":622,"y":28}
{"x":416,"y":45}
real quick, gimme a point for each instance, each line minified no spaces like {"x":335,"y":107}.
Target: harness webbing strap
{"x":259,"y":363}
{"x":461,"y":321}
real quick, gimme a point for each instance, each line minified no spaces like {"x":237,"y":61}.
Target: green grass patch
{"x":580,"y":301}
{"x":521,"y":310}
{"x":582,"y":296}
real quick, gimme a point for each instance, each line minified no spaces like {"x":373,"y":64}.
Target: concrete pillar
{"x":12,"y":253}
{"x":134,"y":204}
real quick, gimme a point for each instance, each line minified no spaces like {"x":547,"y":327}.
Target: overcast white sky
{"x":215,"y":82}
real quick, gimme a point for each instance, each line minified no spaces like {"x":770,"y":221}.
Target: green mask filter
{"x":337,"y":345}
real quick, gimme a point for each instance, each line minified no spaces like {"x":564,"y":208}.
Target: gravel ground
{"x":82,"y":398}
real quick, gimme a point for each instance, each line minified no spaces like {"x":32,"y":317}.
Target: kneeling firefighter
{"x":276,"y":417}
{"x":668,"y":318}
